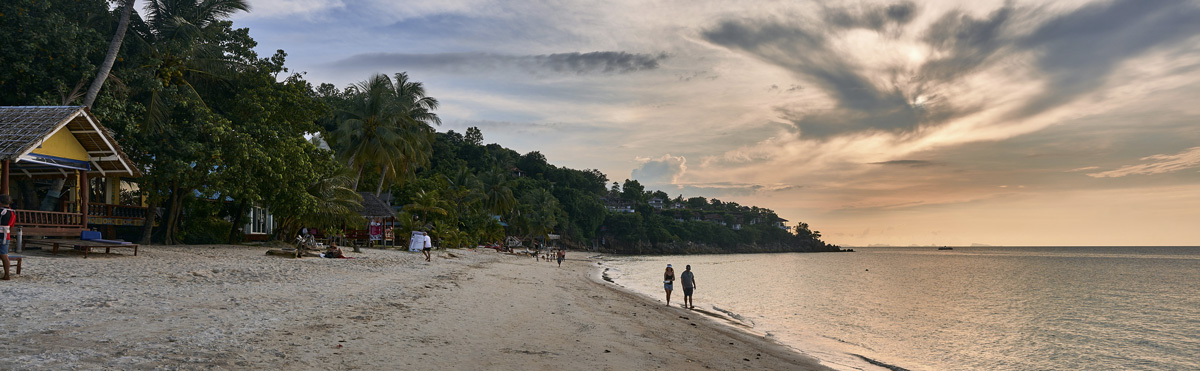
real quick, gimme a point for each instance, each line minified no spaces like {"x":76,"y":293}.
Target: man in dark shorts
{"x":689,"y":284}
{"x":8,"y":218}
{"x":427,"y":245}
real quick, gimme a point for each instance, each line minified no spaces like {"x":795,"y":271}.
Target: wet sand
{"x":232,"y":307}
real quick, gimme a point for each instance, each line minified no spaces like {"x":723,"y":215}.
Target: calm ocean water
{"x":971,"y":308}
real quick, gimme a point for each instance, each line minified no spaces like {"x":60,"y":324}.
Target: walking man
{"x":689,"y":284}
{"x":427,"y":245}
{"x":562,"y":254}
{"x":7,"y":220}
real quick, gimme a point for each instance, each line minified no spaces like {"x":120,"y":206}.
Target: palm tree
{"x":425,"y":203}
{"x":387,"y":127}
{"x":174,"y":35}
{"x":110,"y":58}
{"x":497,"y":195}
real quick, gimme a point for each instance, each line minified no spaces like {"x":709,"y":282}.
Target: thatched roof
{"x":24,"y":129}
{"x":373,"y":207}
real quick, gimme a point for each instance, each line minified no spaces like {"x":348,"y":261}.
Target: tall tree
{"x":114,"y":47}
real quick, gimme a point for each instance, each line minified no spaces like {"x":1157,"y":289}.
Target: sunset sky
{"x":929,"y":122}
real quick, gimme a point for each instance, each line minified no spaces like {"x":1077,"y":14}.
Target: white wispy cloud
{"x":1159,"y":164}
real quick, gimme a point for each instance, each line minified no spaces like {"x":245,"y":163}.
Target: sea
{"x":970,"y":308}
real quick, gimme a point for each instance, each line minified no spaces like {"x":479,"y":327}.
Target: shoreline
{"x":817,"y":346}
{"x":232,"y":307}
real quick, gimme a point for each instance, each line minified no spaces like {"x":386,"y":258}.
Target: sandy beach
{"x":232,"y":307}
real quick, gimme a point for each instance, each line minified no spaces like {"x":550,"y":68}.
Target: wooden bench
{"x":84,"y":245}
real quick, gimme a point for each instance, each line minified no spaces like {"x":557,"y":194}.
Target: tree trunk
{"x":379,"y":189}
{"x":237,"y":220}
{"x":114,"y":48}
{"x":148,"y":229}
{"x":356,"y":179}
{"x":173,"y":213}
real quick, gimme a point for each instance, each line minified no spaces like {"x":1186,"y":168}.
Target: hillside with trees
{"x":218,"y":129}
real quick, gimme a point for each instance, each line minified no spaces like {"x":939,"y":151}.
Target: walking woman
{"x":668,"y":280}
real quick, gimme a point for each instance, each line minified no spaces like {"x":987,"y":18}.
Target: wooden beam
{"x":84,"y":195}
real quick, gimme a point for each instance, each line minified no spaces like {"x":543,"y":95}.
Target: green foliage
{"x":49,"y":49}
{"x":216,"y":129}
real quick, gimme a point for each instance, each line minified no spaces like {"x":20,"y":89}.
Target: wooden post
{"x":4,"y":180}
{"x":84,"y":192}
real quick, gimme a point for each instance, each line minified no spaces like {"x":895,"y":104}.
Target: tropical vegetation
{"x":219,"y":129}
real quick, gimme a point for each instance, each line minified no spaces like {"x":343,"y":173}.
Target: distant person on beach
{"x":562,"y":254}
{"x":333,"y":251}
{"x":8,"y":219}
{"x":668,"y":281}
{"x":689,"y":284}
{"x":427,"y":245}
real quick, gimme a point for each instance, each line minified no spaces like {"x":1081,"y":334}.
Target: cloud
{"x":872,"y":17}
{"x":1079,"y":50}
{"x":1161,"y":164}
{"x":814,"y":50}
{"x":905,"y":163}
{"x":664,"y":170}
{"x":966,"y":42}
{"x":606,"y":62}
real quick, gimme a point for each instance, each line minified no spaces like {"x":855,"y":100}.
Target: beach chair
{"x":15,"y":261}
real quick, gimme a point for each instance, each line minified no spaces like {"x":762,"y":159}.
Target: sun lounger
{"x":85,"y":245}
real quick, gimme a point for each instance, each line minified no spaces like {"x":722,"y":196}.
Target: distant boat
{"x":945,"y":248}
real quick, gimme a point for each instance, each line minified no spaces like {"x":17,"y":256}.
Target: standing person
{"x":668,"y":281}
{"x":689,"y":284}
{"x":562,"y":254}
{"x":427,"y":245}
{"x":8,"y":219}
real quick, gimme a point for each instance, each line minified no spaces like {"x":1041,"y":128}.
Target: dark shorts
{"x":3,"y":247}
{"x":427,"y":249}
{"x":687,"y":291}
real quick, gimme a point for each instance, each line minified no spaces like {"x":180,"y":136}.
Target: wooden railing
{"x":117,"y":211}
{"x":49,"y":223}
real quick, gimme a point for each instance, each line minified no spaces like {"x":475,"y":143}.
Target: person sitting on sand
{"x":668,"y":281}
{"x":333,"y":251}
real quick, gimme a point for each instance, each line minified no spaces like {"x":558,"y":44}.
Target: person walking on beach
{"x":668,"y":282}
{"x":562,"y":254}
{"x":426,"y":245}
{"x":8,"y":219}
{"x":689,"y":284}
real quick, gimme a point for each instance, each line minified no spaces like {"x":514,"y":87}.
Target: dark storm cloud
{"x":565,"y":63}
{"x":1074,"y":54}
{"x":1079,"y":50}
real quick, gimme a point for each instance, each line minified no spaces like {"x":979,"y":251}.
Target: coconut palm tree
{"x":179,"y":55}
{"x":423,"y":204}
{"x":387,"y":128}
{"x":110,"y":58}
{"x":416,"y":145}
{"x":497,"y":195}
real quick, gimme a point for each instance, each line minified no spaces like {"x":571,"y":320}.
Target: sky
{"x":876,"y":122}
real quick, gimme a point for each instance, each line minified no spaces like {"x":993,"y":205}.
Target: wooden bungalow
{"x":374,"y":209}
{"x":65,"y":172}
